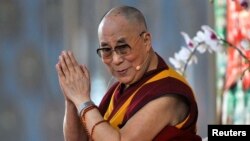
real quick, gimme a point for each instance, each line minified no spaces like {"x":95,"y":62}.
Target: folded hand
{"x":73,"y":78}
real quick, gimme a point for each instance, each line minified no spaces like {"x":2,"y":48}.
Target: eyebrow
{"x":120,"y":41}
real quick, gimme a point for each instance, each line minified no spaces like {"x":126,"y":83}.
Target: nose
{"x":116,"y":58}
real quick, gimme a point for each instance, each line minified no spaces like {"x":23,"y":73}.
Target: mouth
{"x":122,"y":72}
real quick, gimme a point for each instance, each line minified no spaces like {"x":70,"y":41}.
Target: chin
{"x":125,"y":80}
{"x":128,"y":81}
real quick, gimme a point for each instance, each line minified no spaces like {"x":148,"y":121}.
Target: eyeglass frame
{"x":116,"y":49}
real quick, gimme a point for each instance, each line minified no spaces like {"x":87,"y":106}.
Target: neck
{"x":153,"y":62}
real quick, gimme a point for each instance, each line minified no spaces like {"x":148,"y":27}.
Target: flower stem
{"x":241,"y":54}
{"x":189,"y":58}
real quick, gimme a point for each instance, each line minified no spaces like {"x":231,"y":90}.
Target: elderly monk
{"x":149,"y":101}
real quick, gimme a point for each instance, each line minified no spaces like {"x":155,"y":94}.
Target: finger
{"x":85,"y":71}
{"x":68,"y":62}
{"x":79,"y":70}
{"x":63,"y":65}
{"x":72,"y":58}
{"x":59,"y":71}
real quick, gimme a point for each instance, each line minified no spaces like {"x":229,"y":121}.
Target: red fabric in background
{"x":238,"y":28}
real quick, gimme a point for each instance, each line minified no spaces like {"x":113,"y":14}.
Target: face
{"x":122,"y":48}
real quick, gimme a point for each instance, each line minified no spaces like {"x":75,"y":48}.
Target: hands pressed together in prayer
{"x":73,"y":78}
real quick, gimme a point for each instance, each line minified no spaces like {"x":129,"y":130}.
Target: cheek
{"x":131,"y":59}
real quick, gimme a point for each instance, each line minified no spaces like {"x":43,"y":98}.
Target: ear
{"x":147,"y":41}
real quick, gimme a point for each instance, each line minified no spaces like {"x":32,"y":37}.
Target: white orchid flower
{"x":178,"y":64}
{"x":211,"y":39}
{"x":200,"y":37}
{"x":205,"y":40}
{"x":202,"y":48}
{"x":183,"y":54}
{"x":189,"y":42}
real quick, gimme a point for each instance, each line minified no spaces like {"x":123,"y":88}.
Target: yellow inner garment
{"x":119,"y":115}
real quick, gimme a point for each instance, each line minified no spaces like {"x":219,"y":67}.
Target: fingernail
{"x":64,"y":52}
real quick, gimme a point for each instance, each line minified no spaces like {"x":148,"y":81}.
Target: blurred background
{"x":34,"y":32}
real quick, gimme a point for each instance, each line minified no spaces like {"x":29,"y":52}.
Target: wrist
{"x":84,"y":105}
{"x":78,"y":101}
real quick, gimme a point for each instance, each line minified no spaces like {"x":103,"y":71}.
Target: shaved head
{"x":131,"y":14}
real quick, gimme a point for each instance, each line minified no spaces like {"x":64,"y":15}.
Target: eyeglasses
{"x":122,"y":50}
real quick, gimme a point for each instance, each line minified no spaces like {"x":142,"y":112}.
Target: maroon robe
{"x":151,"y":91}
